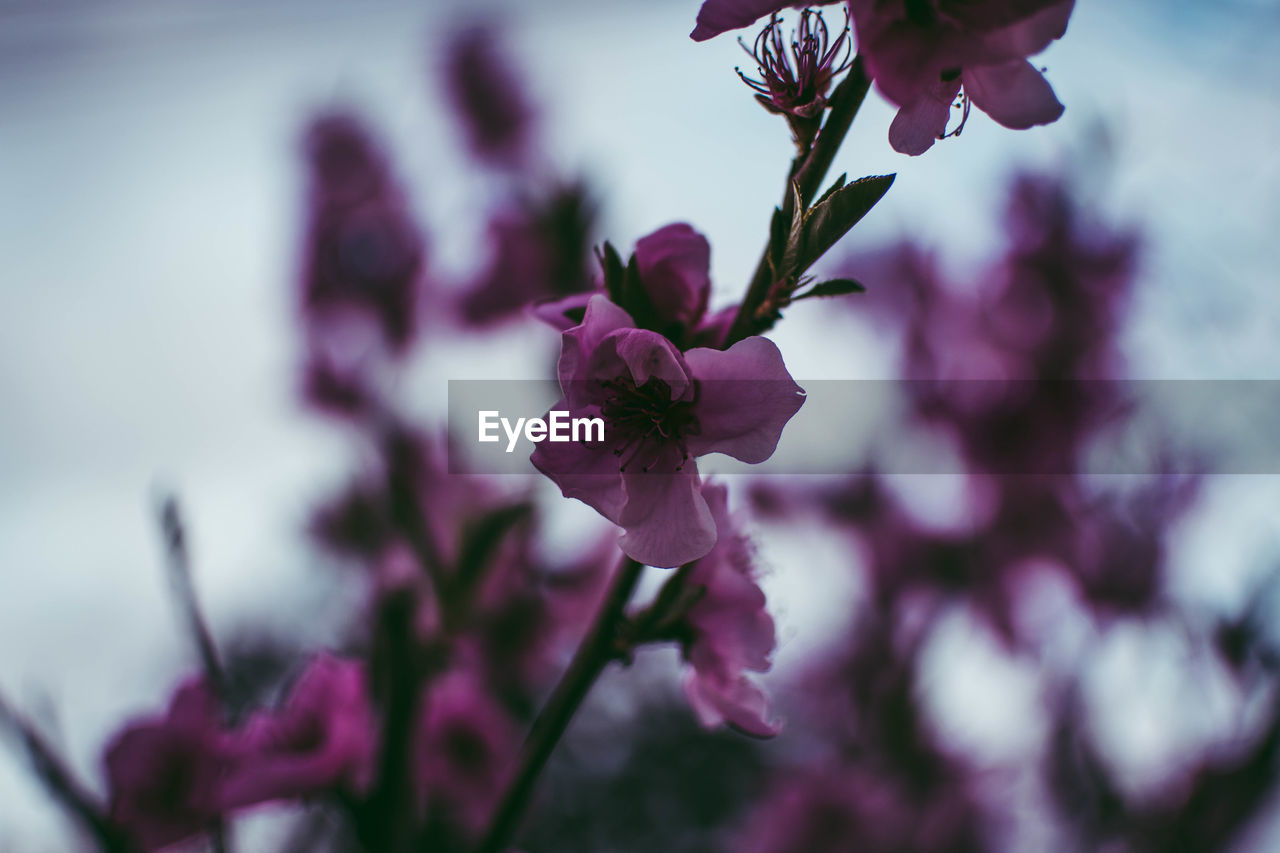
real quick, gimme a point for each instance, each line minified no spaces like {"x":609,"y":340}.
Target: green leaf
{"x":611,"y":266}
{"x":777,"y":242}
{"x":833,"y":287}
{"x":793,"y":252}
{"x":830,"y":219}
{"x":635,"y":299}
{"x":840,"y":181}
{"x":481,"y":538}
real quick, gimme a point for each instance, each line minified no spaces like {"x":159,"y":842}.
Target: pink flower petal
{"x":587,"y":471}
{"x":735,"y":700}
{"x":1029,"y":36}
{"x":917,"y":127}
{"x":745,"y":398}
{"x":718,"y":16}
{"x":1015,"y":94}
{"x":649,"y":355}
{"x":667,"y":522}
{"x":675,"y":266}
{"x":579,"y":342}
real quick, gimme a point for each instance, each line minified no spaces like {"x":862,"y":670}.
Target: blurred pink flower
{"x":539,"y":249}
{"x":661,"y":409}
{"x":486,"y":95}
{"x":924,"y":53}
{"x":729,"y":630}
{"x":465,"y":746}
{"x":164,"y":772}
{"x":321,"y":738}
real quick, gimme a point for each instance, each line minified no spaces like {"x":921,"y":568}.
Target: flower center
{"x":645,"y":421}
{"x":797,"y":83}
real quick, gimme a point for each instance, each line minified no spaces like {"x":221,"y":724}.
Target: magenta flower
{"x":464,"y":749}
{"x":661,"y":409}
{"x":363,"y":253}
{"x":539,"y":250}
{"x":923,"y":54}
{"x":485,"y":92}
{"x":729,"y":631}
{"x":164,"y":772}
{"x":719,"y":16}
{"x":321,"y":738}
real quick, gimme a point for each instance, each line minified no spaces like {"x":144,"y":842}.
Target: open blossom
{"x":321,"y":738}
{"x":673,"y":267}
{"x":661,"y":409}
{"x":164,"y":772}
{"x":923,"y":54}
{"x":729,"y":631}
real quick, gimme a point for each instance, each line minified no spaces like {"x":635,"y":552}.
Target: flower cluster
{"x":483,"y":627}
{"x":926,"y":54}
{"x":174,"y":776}
{"x":662,"y":407}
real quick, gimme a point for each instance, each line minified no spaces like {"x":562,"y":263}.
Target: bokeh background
{"x":151,"y":195}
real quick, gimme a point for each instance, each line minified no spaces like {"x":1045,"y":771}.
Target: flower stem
{"x":806,"y":174}
{"x":597,"y":650}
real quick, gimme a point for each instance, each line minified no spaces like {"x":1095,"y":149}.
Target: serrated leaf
{"x":612,"y":269}
{"x":839,"y":184}
{"x":833,"y":287}
{"x":830,"y":219}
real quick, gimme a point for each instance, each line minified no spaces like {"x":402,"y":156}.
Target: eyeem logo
{"x":558,"y":427}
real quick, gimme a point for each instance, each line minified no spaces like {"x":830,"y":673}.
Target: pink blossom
{"x":464,"y":749}
{"x":674,"y":263}
{"x":661,"y":409}
{"x":164,"y":772}
{"x":485,"y":92}
{"x":718,"y":16}
{"x":729,"y":630}
{"x":321,"y":738}
{"x":923,"y":54}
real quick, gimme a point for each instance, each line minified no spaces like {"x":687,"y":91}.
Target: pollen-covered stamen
{"x":796,"y":83}
{"x":644,"y":419}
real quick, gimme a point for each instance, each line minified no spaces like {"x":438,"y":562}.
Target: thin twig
{"x":178,"y":557}
{"x":57,"y":777}
{"x":597,"y":650}
{"x":179,"y":564}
